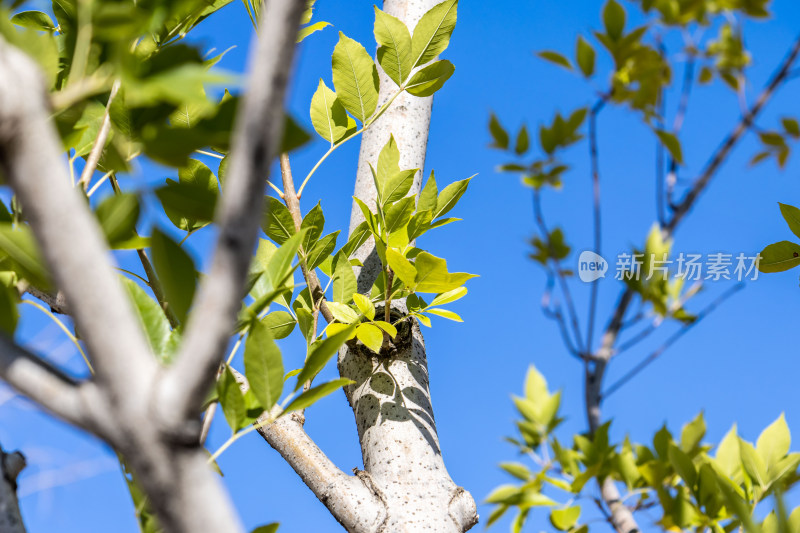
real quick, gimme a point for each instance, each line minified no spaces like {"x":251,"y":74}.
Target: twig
{"x":671,"y":340}
{"x":537,"y":212}
{"x":556,"y":314}
{"x":99,"y":142}
{"x":293,"y":205}
{"x":593,"y":154}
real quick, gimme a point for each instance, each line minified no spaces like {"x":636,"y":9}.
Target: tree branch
{"x":256,"y":141}
{"x":99,"y":142}
{"x":11,"y":464}
{"x":49,"y":386}
{"x":30,"y":158}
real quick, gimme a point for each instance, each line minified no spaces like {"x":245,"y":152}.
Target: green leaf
{"x":328,"y":115}
{"x":355,"y":78}
{"x":190,"y":202}
{"x":23,"y":252}
{"x":394,"y":46}
{"x":152,"y":319}
{"x":176,"y":272}
{"x":280,"y":264}
{"x":671,"y":143}
{"x":8,"y":310}
{"x":773,"y":443}
{"x":450,"y":196}
{"x":432,"y":275}
{"x":344,"y":280}
{"x":398,"y":185}
{"x":398,"y":214}
{"x":753,"y":463}
{"x":565,"y":519}
{"x":585,"y":57}
{"x":231,"y":400}
{"x":427,"y":198}
{"x":555,"y":57}
{"x":432,"y":33}
{"x":371,"y":336}
{"x":499,"y":134}
{"x":614,"y":19}
{"x":683,"y":465}
{"x":263,"y":365}
{"x":312,"y":28}
{"x":444,"y":313}
{"x":314,"y":222}
{"x":792,"y":217}
{"x":118,"y":215}
{"x":277,"y":223}
{"x":779,"y":257}
{"x":279,"y":323}
{"x":35,"y":20}
{"x":364,"y":305}
{"x":523,"y":141}
{"x":314,"y":394}
{"x":449,"y":296}
{"x":320,"y":353}
{"x":401,"y":267}
{"x":791,"y":127}
{"x":342,"y":312}
{"x":388,"y":328}
{"x":517,"y":470}
{"x":728,"y":456}
{"x":321,"y":250}
{"x":431,"y":78}
{"x":693,"y":434}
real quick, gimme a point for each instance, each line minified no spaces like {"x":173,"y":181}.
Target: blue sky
{"x":740,"y":365}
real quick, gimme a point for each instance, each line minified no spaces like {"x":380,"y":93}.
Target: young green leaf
{"x":364,"y":305}
{"x":773,"y":443}
{"x":555,"y":57}
{"x":397,"y":186}
{"x":320,"y":353}
{"x":344,"y":280}
{"x":449,"y":296}
{"x":792,"y":217}
{"x":614,"y":19}
{"x":231,"y":400}
{"x":263,"y":365}
{"x":328,"y":115}
{"x":371,"y":336}
{"x":402,"y":267}
{"x":394,"y":46}
{"x":585,"y":57}
{"x":499,"y":134}
{"x":277,"y":223}
{"x":427,"y":198}
{"x":118,"y":215}
{"x":431,"y":78}
{"x":388,"y":328}
{"x":279,"y":323}
{"x":779,"y":256}
{"x":450,"y":196}
{"x":152,"y":319}
{"x":444,"y":313}
{"x":8,"y":310}
{"x":565,"y":519}
{"x":23,"y":253}
{"x":432,"y":33}
{"x":672,"y":144}
{"x":355,"y":78}
{"x":176,"y":272}
{"x":314,"y":394}
{"x":398,"y":214}
{"x":314,"y":222}
{"x":321,"y":250}
{"x":343,"y":312}
{"x":523,"y":141}
{"x":432,"y":275}
{"x":190,"y":202}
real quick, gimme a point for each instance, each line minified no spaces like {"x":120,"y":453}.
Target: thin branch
{"x":721,"y":154}
{"x":597,"y":219}
{"x":258,"y":134}
{"x":99,"y":142}
{"x":573,"y":315}
{"x":555,"y":313}
{"x":48,"y":386}
{"x":671,"y":340}
{"x":32,"y":163}
{"x":293,"y":205}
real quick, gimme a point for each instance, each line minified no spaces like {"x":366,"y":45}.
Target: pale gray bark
{"x":147,"y":413}
{"x":391,"y":398}
{"x":11,"y":464}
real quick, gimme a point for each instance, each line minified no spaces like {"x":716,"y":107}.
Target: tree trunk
{"x":391,"y":398}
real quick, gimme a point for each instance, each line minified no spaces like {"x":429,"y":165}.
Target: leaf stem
{"x":64,"y":328}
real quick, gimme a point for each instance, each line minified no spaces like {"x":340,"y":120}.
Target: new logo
{"x":591,"y":266}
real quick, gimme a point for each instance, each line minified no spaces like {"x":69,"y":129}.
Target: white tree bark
{"x":391,"y":398}
{"x":147,"y":413}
